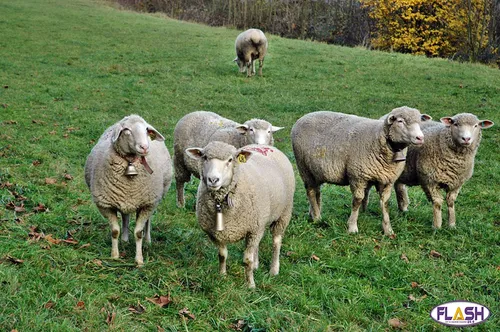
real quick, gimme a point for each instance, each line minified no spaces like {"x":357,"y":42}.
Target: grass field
{"x":71,"y":68}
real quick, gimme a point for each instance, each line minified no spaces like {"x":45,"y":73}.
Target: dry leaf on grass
{"x":314,"y":257}
{"x":435,"y":254}
{"x":80,"y":305}
{"x":137,"y":309}
{"x":395,"y":323}
{"x":238,"y":325}
{"x":184,"y":312}
{"x":404,"y":258}
{"x":50,"y":181}
{"x":40,"y":208}
{"x":162,"y":301}
{"x":49,"y":305}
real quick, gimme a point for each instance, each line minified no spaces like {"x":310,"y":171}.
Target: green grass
{"x":69,"y":69}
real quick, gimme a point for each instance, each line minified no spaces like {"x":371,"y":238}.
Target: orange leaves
{"x":161,"y":301}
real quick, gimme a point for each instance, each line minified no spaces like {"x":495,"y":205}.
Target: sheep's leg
{"x":261,"y":64}
{"x":248,"y":257}
{"x":451,"y":196}
{"x":314,"y":197}
{"x":366,"y":199}
{"x":222,"y":258}
{"x":402,"y":196}
{"x":436,"y":198}
{"x":277,"y":230}
{"x":142,"y":217}
{"x":384,"y":190}
{"x":249,"y":68}
{"x":147,"y":231}
{"x":125,"y":226}
{"x":112,"y":216}
{"x":253,"y":67}
{"x":256,"y":258}
{"x":358,"y":193}
{"x":181,"y":177}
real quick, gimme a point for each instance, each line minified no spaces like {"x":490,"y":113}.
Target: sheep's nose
{"x":144,"y":148}
{"x":466,"y":139}
{"x":213,"y":180}
{"x":420,"y":139}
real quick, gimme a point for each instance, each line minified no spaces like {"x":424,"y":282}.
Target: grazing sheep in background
{"x":349,"y":150}
{"x":241,"y":193}
{"x":131,"y":145}
{"x":445,"y":161}
{"x":199,"y":128}
{"x":250,"y":45}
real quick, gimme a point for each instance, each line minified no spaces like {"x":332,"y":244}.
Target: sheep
{"x":199,"y":128}
{"x":445,"y":161}
{"x":349,"y":150}
{"x":129,"y":146}
{"x":250,"y":45}
{"x":243,"y":191}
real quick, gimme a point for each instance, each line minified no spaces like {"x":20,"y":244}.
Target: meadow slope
{"x":71,"y":68}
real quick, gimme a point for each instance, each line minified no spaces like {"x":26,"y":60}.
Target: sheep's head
{"x":403,"y":125}
{"x":258,"y":131}
{"x":241,"y":64}
{"x":132,"y":136}
{"x":218,"y":161}
{"x":466,"y":128}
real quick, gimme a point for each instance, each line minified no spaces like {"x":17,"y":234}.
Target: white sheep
{"x":349,"y":150}
{"x":250,"y":45}
{"x":199,"y":128}
{"x":241,"y":193}
{"x":445,"y":161}
{"x":127,"y":147}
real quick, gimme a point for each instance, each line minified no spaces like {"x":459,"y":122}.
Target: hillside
{"x":71,"y":68}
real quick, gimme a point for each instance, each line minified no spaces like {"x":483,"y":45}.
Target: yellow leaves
{"x":433,"y":28}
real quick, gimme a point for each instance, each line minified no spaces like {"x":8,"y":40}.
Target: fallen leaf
{"x":36,"y":162}
{"x":414,"y":284}
{"x":50,"y":239}
{"x":395,"y":323}
{"x":5,"y":86}
{"x":160,"y":329}
{"x":137,"y":309}
{"x":97,"y":262}
{"x":65,"y":135}
{"x":11,"y":122}
{"x":38,"y":121}
{"x":6,"y":185}
{"x":13,"y":260}
{"x":53,"y":132}
{"x":86,"y":245}
{"x":435,"y":254}
{"x":68,"y":177}
{"x":34,"y":235}
{"x":403,"y":257}
{"x":238,"y":325}
{"x":314,"y":257}
{"x":289,"y":253}
{"x":70,"y":241}
{"x":50,"y":181}
{"x":18,"y":196}
{"x":412,"y":298}
{"x":40,"y":208}
{"x":5,"y":105}
{"x":184,"y":312}
{"x":49,"y":305}
{"x":162,"y":301}
{"x":377,"y":247}
{"x":392,"y":236}
{"x":110,"y":316}
{"x":80,"y":305}
{"x":459,"y":274}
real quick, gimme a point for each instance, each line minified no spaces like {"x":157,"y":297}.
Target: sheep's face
{"x":466,"y":128}
{"x":258,"y":131}
{"x":404,"y":125}
{"x":241,"y":65}
{"x":217,"y":163}
{"x":133,"y":136}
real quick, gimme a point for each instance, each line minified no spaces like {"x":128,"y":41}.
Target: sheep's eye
{"x":475,"y":126}
{"x":230,"y":160}
{"x":204,"y":158}
{"x":455,"y":124}
{"x":251,"y":129}
{"x":268,"y":131}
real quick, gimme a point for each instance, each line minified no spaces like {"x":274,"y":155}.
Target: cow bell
{"x":130,"y":170}
{"x":399,"y":156}
{"x":219,"y":222}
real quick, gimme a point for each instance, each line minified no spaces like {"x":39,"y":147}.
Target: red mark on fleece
{"x":262,"y":151}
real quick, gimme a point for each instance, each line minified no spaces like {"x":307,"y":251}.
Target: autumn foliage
{"x":441,"y":28}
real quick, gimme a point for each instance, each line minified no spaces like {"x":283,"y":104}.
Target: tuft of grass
{"x":72,"y":68}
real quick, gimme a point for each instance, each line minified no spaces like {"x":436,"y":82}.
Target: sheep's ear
{"x":235,"y":59}
{"x":484,"y":124}
{"x":116,"y":133}
{"x":242,"y":129}
{"x":275,"y":129}
{"x":195,"y":153}
{"x":243,"y":156}
{"x":391,"y":119}
{"x":154,"y":134}
{"x":425,"y":117}
{"x":447,"y":121}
